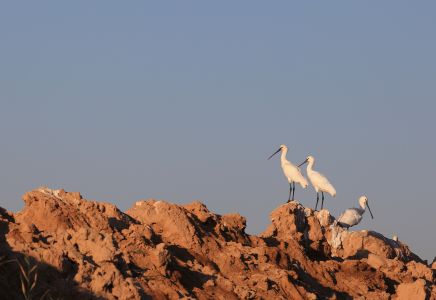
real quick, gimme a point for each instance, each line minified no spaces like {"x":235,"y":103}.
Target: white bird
{"x":353,"y":216}
{"x":292,"y":173}
{"x":319,"y":181}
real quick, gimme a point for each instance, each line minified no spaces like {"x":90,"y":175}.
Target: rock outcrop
{"x":63,"y":246}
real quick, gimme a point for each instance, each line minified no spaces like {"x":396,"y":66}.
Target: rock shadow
{"x":312,"y":285}
{"x":22,"y":275}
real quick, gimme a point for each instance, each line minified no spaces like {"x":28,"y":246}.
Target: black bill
{"x":275,"y":152}
{"x":372,"y":217}
{"x":302,"y":163}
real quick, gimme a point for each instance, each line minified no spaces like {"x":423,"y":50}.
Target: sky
{"x":185,"y":100}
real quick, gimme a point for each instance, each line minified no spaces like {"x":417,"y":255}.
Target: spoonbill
{"x":353,"y":216}
{"x":319,"y":181}
{"x":292,"y":173}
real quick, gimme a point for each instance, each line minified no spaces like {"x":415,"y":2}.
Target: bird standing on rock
{"x":292,"y":173}
{"x":319,"y":181}
{"x":353,"y":216}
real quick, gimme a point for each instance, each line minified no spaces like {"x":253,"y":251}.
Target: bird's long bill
{"x":372,"y":217}
{"x":275,"y":153}
{"x":302,"y":163}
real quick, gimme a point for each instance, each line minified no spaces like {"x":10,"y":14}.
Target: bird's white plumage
{"x":319,"y":182}
{"x":353,"y":216}
{"x":292,"y":172}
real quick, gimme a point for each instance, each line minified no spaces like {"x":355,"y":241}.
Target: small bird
{"x":319,"y":181}
{"x":353,"y":216}
{"x":292,"y":173}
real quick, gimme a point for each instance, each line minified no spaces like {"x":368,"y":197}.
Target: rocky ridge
{"x":82,"y":249}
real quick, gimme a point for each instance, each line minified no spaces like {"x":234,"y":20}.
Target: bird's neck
{"x":310,"y":166}
{"x":283,"y":156}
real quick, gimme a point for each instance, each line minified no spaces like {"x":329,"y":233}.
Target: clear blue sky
{"x":185,"y":101}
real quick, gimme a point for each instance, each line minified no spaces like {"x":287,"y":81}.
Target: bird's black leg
{"x":317,"y":198}
{"x":322,"y":202}
{"x":293,"y":191}
{"x":290,"y":191}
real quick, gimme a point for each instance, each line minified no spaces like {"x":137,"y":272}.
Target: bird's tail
{"x":303,"y":182}
{"x":332,"y":191}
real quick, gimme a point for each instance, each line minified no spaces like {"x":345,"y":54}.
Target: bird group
{"x":320,"y":183}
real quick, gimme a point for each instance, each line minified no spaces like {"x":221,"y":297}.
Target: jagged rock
{"x":324,"y":218}
{"x":376,"y":261}
{"x":91,"y":250}
{"x":420,"y":270}
{"x":288,"y":222}
{"x":170,"y":221}
{"x":415,"y":290}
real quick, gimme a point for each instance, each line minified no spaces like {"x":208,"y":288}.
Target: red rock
{"x":376,"y":261}
{"x":420,"y":270}
{"x":86,"y":249}
{"x":415,"y":290}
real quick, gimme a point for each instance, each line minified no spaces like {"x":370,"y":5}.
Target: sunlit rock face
{"x":91,"y":250}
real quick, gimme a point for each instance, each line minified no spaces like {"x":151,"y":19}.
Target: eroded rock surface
{"x":161,"y":250}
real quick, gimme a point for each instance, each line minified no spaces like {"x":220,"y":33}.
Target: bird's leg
{"x":322,"y":202}
{"x":317,"y":198}
{"x":290,"y":191}
{"x":293,"y":191}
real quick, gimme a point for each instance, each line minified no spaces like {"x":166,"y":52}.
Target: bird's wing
{"x":323,"y":182}
{"x":294,"y":172}
{"x":348,"y":214}
{"x":290,"y":168}
{"x":322,"y":179}
{"x":343,"y":215}
{"x":352,"y":217}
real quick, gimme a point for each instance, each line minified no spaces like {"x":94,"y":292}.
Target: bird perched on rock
{"x":353,"y":216}
{"x":319,"y":182}
{"x":292,"y":173}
